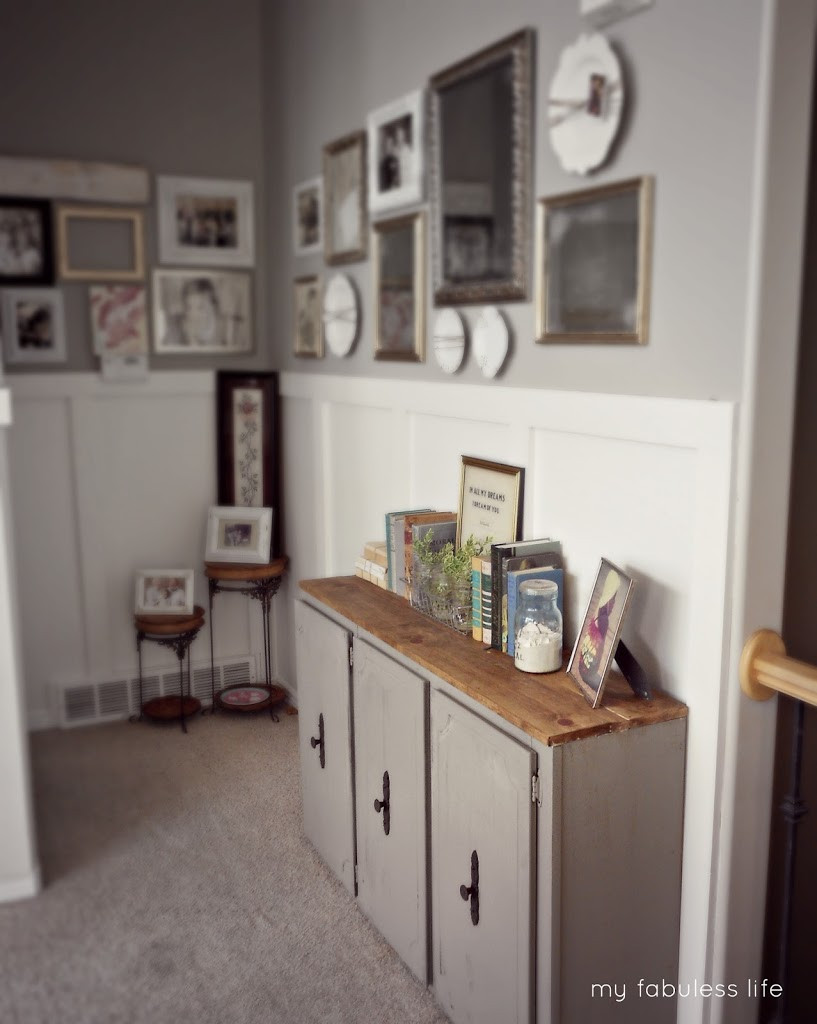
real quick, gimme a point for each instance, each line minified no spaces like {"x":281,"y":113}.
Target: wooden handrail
{"x":765,"y":669}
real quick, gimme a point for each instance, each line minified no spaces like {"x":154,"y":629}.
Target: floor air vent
{"x":110,"y":700}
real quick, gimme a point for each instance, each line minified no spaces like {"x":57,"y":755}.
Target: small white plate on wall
{"x":490,"y":341}
{"x":340,"y":315}
{"x":449,"y":340}
{"x":585,"y":102}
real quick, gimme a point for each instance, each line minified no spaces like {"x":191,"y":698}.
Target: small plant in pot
{"x":443,"y":582}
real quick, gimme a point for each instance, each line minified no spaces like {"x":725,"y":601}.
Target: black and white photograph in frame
{"x":26,"y":246}
{"x":396,"y":153}
{"x":202,"y":311}
{"x":308,"y":339}
{"x":206,"y":222}
{"x":345,"y":219}
{"x":33,"y":325}
{"x":307,"y":217}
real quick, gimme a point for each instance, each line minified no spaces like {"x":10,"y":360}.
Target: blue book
{"x":391,"y":534}
{"x":518,"y":576}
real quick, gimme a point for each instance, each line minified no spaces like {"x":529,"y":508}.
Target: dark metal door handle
{"x":472,"y":891}
{"x":318,"y":741}
{"x":384,"y":805}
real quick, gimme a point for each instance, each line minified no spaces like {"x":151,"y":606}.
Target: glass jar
{"x":537,"y":628}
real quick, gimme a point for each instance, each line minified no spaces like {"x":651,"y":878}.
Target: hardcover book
{"x":476,"y":597}
{"x":500,"y":553}
{"x":394,"y":534}
{"x":486,"y":601}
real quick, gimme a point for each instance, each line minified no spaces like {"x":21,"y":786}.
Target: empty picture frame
{"x":237,"y":534}
{"x":164,"y":592}
{"x":99,"y":243}
{"x":593,"y":264}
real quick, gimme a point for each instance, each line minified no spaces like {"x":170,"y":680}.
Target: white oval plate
{"x":340,"y":315}
{"x":582,"y":139}
{"x":490,"y":341}
{"x":448,"y":342}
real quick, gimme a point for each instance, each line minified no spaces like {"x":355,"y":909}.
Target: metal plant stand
{"x":176,"y":632}
{"x":259,"y":583}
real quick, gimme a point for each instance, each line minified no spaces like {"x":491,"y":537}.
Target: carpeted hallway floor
{"x":179,"y":888}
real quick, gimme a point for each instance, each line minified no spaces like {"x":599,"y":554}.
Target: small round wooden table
{"x":176,"y":632}
{"x":261,"y":583}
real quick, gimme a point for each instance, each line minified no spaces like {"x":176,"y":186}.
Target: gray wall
{"x":691,"y":74}
{"x":172,"y":86}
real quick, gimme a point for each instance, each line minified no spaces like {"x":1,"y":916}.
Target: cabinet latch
{"x":351,"y":655}
{"x":535,"y":791}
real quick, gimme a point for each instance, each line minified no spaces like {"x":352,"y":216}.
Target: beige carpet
{"x":179,"y":888}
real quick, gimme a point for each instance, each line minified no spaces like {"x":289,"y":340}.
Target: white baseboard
{"x":21,"y":888}
{"x":40,"y":719}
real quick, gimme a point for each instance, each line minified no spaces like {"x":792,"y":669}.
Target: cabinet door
{"x":390,"y":792}
{"x":481,"y":835}
{"x":324,"y":725}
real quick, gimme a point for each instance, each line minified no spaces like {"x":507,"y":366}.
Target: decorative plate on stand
{"x":490,"y":341}
{"x":449,"y":340}
{"x":585,"y":102}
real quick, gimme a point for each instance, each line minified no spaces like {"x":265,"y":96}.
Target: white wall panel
{"x":645,"y":482}
{"x":107,"y":479}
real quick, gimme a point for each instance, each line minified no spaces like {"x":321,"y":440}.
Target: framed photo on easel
{"x":598,"y":637}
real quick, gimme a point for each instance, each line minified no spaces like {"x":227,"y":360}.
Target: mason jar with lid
{"x":538,"y":627}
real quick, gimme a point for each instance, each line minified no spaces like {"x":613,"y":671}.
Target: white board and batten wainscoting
{"x":109,"y":478}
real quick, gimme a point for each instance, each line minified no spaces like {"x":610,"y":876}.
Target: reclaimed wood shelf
{"x":548,"y":708}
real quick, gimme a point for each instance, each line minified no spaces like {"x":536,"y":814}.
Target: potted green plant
{"x":444,"y":583}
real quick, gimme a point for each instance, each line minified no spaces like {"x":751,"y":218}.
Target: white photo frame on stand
{"x":238,"y":534}
{"x":164,"y":592}
{"x":206,"y":222}
{"x":396,"y":153}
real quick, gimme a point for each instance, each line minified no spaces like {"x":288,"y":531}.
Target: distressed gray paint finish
{"x":480,"y":800}
{"x":389,"y":717}
{"x":323,"y":689}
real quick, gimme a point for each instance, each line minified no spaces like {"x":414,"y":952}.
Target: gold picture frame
{"x":398,"y":262}
{"x":593,"y":264}
{"x":75,"y":217}
{"x":307,"y":324}
{"x":345,"y":216}
{"x":491,"y":501}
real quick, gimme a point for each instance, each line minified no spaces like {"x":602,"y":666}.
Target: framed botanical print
{"x":248,"y":453}
{"x":26,"y":246}
{"x":593,"y":264}
{"x":344,"y":182}
{"x":396,"y":151}
{"x":118,"y":319}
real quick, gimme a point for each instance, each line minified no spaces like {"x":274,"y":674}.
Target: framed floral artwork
{"x":248,"y":431}
{"x":118,"y":319}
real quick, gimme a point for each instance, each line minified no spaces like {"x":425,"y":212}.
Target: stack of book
{"x":372,"y":564}
{"x":403,"y":530}
{"x":495,"y":581}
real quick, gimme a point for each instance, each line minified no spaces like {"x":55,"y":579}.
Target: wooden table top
{"x":549,"y":707}
{"x":246,"y":571}
{"x":170,"y":625}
